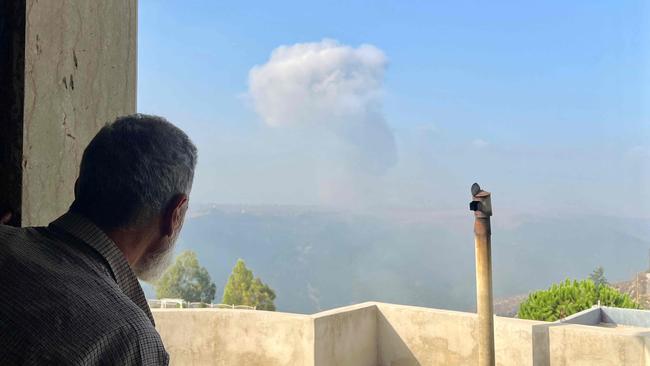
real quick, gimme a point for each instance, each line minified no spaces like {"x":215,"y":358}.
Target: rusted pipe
{"x":482,"y":206}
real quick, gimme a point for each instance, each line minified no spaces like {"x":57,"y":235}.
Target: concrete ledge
{"x":627,"y":317}
{"x":235,"y":337}
{"x":374,"y":333}
{"x":590,"y":316}
{"x":571,"y":344}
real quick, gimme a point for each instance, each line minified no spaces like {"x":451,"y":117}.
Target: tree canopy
{"x":244,"y":289}
{"x":186,"y":280}
{"x":569,"y":297}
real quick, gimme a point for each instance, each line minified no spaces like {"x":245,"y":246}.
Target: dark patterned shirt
{"x":68,"y":296}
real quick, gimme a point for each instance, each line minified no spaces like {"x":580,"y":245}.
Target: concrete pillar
{"x":71,"y":67}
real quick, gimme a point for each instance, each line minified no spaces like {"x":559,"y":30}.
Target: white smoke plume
{"x":331,"y":86}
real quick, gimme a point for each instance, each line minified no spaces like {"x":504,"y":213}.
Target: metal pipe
{"x":482,"y":206}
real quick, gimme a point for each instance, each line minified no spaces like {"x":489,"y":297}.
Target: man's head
{"x":134,"y":181}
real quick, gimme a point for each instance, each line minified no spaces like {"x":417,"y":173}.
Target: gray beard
{"x":152,"y":266}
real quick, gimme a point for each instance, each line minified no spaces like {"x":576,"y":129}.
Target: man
{"x":69,"y":292}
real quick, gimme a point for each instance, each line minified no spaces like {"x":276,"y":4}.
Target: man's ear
{"x":174,"y":214}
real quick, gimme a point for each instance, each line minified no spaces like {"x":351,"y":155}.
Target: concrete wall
{"x":346,"y":336}
{"x":387,"y":335}
{"x":581,"y":345}
{"x":342,"y":337}
{"x":410,"y":336}
{"x":235,"y":337}
{"x":420,"y":336}
{"x":590,"y":316}
{"x":79,"y":73}
{"x":520,"y":342}
{"x":629,"y":317}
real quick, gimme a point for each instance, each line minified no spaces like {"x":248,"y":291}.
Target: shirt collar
{"x":84,"y":230}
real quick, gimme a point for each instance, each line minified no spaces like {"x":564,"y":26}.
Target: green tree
{"x":569,"y":297}
{"x":186,"y":280}
{"x":244,"y":289}
{"x":598,"y":276}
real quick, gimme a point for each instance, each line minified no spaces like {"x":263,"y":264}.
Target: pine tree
{"x":598,"y":276}
{"x":569,"y":297}
{"x":244,"y":289}
{"x":186,"y":280}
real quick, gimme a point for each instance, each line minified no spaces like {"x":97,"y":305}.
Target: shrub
{"x":569,"y":297}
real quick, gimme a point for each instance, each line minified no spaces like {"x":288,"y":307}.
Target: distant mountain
{"x":508,"y":306}
{"x":317,"y":258}
{"x":637,"y":288}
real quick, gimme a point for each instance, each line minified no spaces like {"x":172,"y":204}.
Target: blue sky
{"x":552,"y":98}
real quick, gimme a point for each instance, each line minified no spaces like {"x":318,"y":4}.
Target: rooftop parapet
{"x":606,"y":316}
{"x":371,"y":334}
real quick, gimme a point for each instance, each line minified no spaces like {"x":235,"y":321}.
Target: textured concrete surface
{"x":80,"y":72}
{"x":418,"y":336}
{"x":421,"y":336}
{"x":581,"y":345}
{"x":612,"y":317}
{"x":590,"y":316}
{"x":628,"y":317}
{"x":387,"y":335}
{"x":520,"y":342}
{"x":235,"y":337}
{"x":346,"y":336}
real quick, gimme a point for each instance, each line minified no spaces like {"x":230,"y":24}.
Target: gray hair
{"x":132,"y":169}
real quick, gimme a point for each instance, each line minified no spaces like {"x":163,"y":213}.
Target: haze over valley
{"x":319,"y":258}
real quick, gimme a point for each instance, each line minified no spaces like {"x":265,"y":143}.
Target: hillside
{"x":508,"y":306}
{"x":637,"y":288}
{"x":318,"y":258}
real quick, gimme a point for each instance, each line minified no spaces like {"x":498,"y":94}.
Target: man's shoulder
{"x":62,"y":301}
{"x":105,"y":340}
{"x":7,"y":229}
{"x":17,"y":242}
{"x":125,"y":336}
{"x":9,"y":234}
{"x":57,"y":289}
{"x":81,"y":324}
{"x":36,"y":265}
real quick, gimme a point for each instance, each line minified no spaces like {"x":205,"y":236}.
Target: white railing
{"x":182,"y":304}
{"x":167,"y":303}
